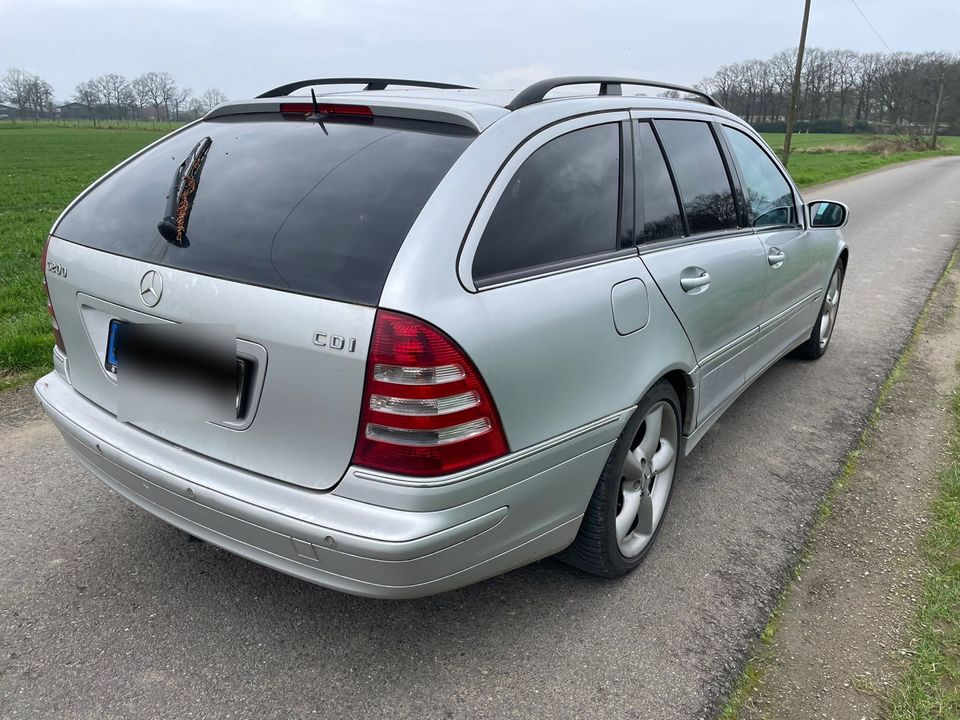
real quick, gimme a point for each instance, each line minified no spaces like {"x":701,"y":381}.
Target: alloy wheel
{"x":646,"y":479}
{"x":831,"y":304}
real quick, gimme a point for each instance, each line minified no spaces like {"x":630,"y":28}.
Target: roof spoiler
{"x":474,"y":119}
{"x":535,"y":93}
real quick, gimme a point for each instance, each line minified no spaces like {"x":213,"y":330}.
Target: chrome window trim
{"x":498,"y":184}
{"x":692,"y":240}
{"x":557,"y":268}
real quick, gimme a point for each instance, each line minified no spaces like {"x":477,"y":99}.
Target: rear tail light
{"x":57,"y":337}
{"x":426,"y":410}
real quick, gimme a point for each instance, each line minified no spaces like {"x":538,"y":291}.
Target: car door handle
{"x":776,"y":256}
{"x":689,"y":284}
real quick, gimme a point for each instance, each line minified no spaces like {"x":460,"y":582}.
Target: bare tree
{"x":181,"y":99}
{"x":116,"y":94}
{"x":89,"y":94}
{"x":843,"y":89}
{"x":196,"y":108}
{"x":39,"y":97}
{"x":140,"y":95}
{"x":16,"y":85}
{"x":156,"y":89}
{"x":211,"y":98}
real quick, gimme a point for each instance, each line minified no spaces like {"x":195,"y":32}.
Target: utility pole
{"x":936,"y":113}
{"x":795,"y":90}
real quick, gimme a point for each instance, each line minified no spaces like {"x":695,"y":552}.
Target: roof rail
{"x":535,"y":93}
{"x":371,"y":84}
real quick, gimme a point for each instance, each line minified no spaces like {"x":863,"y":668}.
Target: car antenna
{"x":316,"y":114}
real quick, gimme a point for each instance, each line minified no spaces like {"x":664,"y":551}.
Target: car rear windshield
{"x":292,"y":204}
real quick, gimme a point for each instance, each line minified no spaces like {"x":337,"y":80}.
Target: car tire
{"x":605,"y":545}
{"x":816,"y":345}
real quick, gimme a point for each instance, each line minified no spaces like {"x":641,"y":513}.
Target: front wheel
{"x":630,"y":500}
{"x":816,"y":345}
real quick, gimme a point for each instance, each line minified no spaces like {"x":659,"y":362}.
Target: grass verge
{"x":943,"y":539}
{"x":817,"y":158}
{"x":931,"y":686}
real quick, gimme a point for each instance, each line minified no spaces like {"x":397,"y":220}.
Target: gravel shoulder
{"x":842,"y":638}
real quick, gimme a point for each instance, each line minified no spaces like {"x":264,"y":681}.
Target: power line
{"x":867,"y":21}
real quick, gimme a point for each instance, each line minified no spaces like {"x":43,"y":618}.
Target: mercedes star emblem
{"x":151,"y":287}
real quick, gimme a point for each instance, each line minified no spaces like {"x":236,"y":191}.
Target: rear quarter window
{"x":285,"y":204}
{"x":562,"y":203}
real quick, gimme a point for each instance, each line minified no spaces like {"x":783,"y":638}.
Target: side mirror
{"x":827,"y":214}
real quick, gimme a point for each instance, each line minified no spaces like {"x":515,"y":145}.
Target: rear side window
{"x":768,"y":194}
{"x":658,"y":206}
{"x":562,"y":203}
{"x":286,"y":204}
{"x":700,"y":173}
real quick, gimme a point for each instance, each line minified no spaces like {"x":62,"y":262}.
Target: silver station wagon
{"x":397,"y":340}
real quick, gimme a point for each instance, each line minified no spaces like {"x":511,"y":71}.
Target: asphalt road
{"x":106,"y":612}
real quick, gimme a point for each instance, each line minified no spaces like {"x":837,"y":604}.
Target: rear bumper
{"x":368,"y":536}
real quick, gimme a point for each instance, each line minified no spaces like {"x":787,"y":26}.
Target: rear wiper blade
{"x":179,"y":201}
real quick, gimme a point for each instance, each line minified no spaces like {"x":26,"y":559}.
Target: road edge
{"x":750,"y":671}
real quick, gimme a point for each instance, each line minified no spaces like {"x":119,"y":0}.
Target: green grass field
{"x":820,"y":157}
{"x":42,"y":168}
{"x":44,"y":165}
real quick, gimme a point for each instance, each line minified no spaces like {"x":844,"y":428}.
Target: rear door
{"x":290,"y":232}
{"x":560,"y":285}
{"x":710,"y":268}
{"x":794,"y":266}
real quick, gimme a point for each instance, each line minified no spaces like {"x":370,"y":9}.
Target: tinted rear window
{"x":279,"y":203}
{"x":562,"y":203}
{"x":700,"y":174}
{"x":658,"y":206}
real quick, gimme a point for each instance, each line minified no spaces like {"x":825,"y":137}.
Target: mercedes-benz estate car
{"x":446,"y":331}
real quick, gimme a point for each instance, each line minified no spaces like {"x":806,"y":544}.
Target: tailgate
{"x":281,"y":226}
{"x":303,"y":402}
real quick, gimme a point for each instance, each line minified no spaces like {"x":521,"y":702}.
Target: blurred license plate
{"x":168,"y":371}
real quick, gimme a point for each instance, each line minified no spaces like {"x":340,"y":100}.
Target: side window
{"x":658,"y":206}
{"x":562,"y":203}
{"x":700,"y":173}
{"x":768,"y":193}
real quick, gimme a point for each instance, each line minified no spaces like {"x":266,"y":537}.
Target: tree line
{"x":149,"y":96}
{"x":840,"y":91}
{"x":844,"y":90}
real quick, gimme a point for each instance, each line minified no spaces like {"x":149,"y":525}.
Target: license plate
{"x":110,"y":359}
{"x":163,"y":353}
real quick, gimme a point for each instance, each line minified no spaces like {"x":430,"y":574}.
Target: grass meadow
{"x":43,"y":166}
{"x":820,"y":157}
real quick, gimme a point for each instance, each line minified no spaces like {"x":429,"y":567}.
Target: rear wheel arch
{"x":684,"y":386}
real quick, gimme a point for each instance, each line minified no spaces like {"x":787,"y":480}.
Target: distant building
{"x":9,"y":112}
{"x":73,"y":111}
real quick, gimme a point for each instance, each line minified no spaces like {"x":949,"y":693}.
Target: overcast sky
{"x":246,"y":47}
